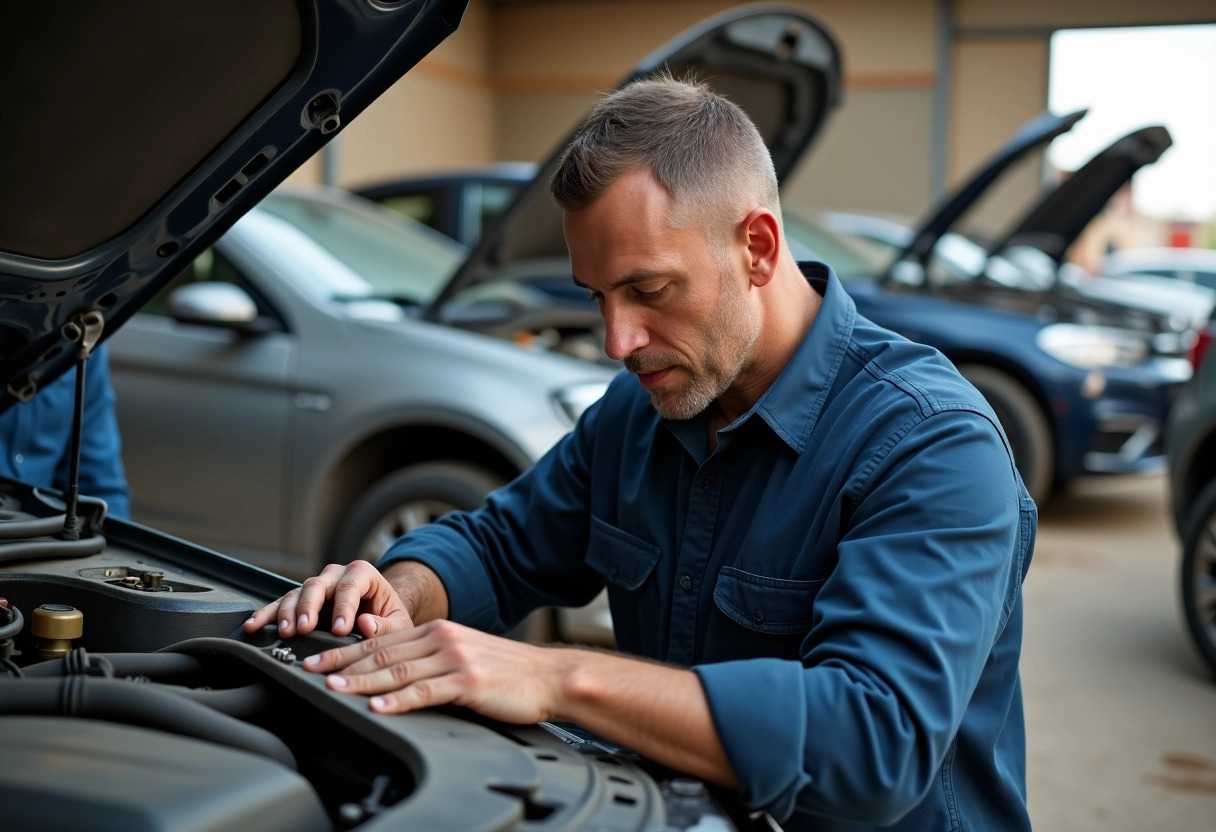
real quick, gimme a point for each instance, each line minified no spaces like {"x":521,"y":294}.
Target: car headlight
{"x":1091,"y":347}
{"x":573,"y":399}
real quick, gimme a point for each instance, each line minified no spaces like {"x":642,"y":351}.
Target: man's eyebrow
{"x":635,"y":276}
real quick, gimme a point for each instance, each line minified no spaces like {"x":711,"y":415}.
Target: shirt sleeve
{"x":929,"y":570}
{"x":101,"y":469}
{"x":523,"y":549}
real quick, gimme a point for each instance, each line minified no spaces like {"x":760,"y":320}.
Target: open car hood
{"x":777,"y":63}
{"x":1059,"y":217}
{"x":139,"y":132}
{"x":940,"y":220}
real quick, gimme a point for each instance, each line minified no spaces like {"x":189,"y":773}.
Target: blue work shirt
{"x":843,"y":573}
{"x":36,"y":438}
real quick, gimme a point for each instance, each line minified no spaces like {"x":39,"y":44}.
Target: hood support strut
{"x":85,"y":331}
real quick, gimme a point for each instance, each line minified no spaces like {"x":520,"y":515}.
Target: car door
{"x":203,"y":413}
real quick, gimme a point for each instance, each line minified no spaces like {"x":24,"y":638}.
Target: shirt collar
{"x":791,"y":407}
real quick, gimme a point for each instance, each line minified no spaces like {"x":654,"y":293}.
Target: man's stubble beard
{"x":725,"y":346}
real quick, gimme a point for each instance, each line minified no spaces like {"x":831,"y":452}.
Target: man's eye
{"x":657,"y":293}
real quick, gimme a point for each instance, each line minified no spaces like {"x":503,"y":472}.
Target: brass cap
{"x":57,"y":621}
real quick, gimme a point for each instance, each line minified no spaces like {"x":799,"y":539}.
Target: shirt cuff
{"x":764,"y":740}
{"x":471,"y":598}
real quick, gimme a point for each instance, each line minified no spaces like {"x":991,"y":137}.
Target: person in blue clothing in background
{"x":36,"y":438}
{"x":812,"y":531}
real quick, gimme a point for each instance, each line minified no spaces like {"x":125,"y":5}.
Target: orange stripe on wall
{"x":894,"y":79}
{"x":454,"y":75}
{"x":557,"y":84}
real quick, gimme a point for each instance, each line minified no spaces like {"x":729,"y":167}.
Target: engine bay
{"x":130,"y":697}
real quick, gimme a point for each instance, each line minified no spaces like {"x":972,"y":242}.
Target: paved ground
{"x":1121,"y":711}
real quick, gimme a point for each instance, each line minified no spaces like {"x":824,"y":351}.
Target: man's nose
{"x":624,"y":332}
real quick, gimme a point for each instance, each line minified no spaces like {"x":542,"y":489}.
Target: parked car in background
{"x":964,"y":258}
{"x":282,"y":401}
{"x":1191,"y":443}
{"x":459,"y":203}
{"x":1187,"y":265}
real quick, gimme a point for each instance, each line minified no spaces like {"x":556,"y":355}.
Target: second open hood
{"x":778,"y":64}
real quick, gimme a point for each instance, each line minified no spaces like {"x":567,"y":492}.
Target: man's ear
{"x":762,"y":236}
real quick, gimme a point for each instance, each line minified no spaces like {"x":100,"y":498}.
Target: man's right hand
{"x":361,"y":596}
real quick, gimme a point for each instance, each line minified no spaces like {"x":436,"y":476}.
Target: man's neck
{"x":788,"y":307}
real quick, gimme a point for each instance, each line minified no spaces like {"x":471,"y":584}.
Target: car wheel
{"x":405,"y":500}
{"x":1199,"y":573}
{"x":1024,"y":424}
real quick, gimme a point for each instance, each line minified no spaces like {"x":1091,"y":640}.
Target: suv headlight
{"x":1092,"y":347}
{"x":573,"y":399}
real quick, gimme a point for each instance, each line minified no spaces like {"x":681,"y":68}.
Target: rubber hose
{"x":111,"y":700}
{"x":34,"y":527}
{"x":239,"y":702}
{"x":153,"y":665}
{"x":33,"y":549}
{"x":12,"y":628}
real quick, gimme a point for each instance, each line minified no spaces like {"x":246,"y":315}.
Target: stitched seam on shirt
{"x":812,"y":417}
{"x":956,"y":823}
{"x":928,"y":404}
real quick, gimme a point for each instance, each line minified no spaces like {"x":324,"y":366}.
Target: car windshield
{"x":366,"y":251}
{"x":848,"y":255}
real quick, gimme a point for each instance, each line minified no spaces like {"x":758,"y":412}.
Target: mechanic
{"x":811,"y":529}
{"x":36,"y":438}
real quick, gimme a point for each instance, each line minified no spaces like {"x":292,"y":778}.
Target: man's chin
{"x":676,"y":408}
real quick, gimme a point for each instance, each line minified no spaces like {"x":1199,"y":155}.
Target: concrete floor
{"x":1120,"y":709}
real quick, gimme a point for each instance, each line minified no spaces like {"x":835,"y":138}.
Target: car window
{"x":425,"y":206}
{"x":493,"y":199}
{"x":848,"y":255}
{"x":349,"y":249}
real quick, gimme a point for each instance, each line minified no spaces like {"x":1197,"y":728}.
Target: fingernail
{"x":379,"y":702}
{"x":302,"y":620}
{"x":339,"y":623}
{"x":248,"y":620}
{"x":312,"y":661}
{"x":375,"y":626}
{"x":337,"y":681}
{"x":284,"y":624}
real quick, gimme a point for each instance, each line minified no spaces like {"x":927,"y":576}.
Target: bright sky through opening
{"x":1134,"y":77}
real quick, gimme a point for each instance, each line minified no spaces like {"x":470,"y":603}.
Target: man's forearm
{"x":420,"y":589}
{"x":658,"y":711}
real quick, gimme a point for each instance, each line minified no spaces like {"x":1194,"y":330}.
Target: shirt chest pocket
{"x":766,"y":616}
{"x":624,"y":560}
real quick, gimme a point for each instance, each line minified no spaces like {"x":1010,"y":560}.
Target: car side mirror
{"x":216,"y":304}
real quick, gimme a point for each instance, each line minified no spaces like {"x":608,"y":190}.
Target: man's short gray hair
{"x":701,"y":147}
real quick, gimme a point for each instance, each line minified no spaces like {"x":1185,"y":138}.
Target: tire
{"x":1024,"y":423}
{"x":1198,"y":573}
{"x":406,"y":499}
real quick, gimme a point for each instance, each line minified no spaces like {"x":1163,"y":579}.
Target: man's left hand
{"x":441,"y":663}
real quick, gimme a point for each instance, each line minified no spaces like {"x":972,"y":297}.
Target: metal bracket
{"x":85,"y":331}
{"x":24,"y":389}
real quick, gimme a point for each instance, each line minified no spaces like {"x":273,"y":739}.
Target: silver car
{"x":281,"y":400}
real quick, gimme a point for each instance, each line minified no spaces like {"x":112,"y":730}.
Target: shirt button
{"x":615,"y":570}
{"x":758,"y":616}
{"x":685,"y":582}
{"x":706,"y":482}
{"x":19,"y":458}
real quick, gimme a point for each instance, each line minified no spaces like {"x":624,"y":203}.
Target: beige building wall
{"x":517,"y":76}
